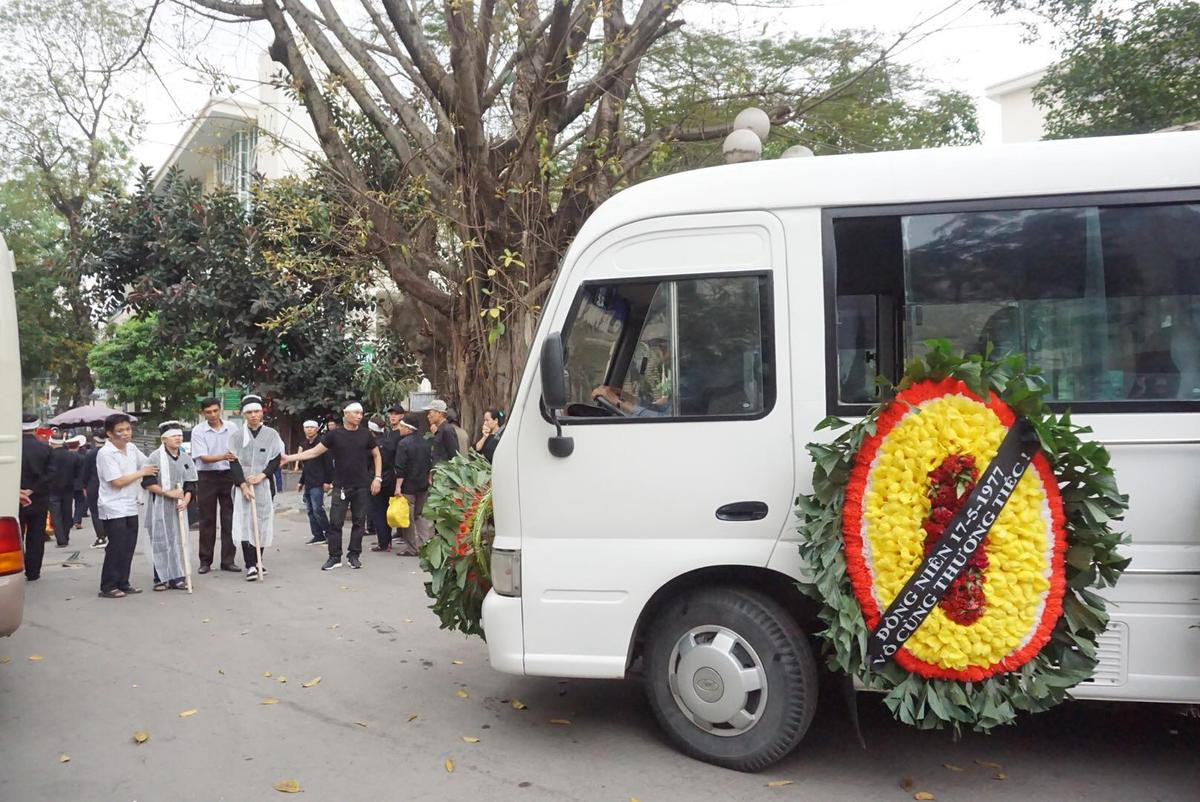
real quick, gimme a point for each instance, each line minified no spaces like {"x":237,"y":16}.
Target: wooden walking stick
{"x":183,"y":541}
{"x":257,"y":538}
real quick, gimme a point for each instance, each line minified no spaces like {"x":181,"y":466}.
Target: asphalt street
{"x":397,"y":699}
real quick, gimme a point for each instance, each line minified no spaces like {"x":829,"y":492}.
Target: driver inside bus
{"x":655,"y":399}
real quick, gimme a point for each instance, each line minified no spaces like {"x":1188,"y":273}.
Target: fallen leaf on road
{"x":952,"y":767}
{"x":987,"y":764}
{"x":457,"y":662}
{"x":408,"y":620}
{"x":413,"y":717}
{"x":141,"y":736}
{"x":187,"y":713}
{"x":907,"y":783}
{"x":266,"y":673}
{"x":4,"y":660}
{"x":333,"y":626}
{"x":287,"y":787}
{"x":362,"y":724}
{"x":221,"y":671}
{"x":461,"y":694}
{"x":471,"y":739}
{"x":924,"y":795}
{"x":64,"y":758}
{"x":518,"y":704}
{"x":1000,"y":776}
{"x":283,"y":679}
{"x":205,"y":620}
{"x":312,"y":682}
{"x":35,"y":658}
{"x":245,"y":632}
{"x":559,"y":721}
{"x":270,"y":700}
{"x":449,"y":765}
{"x":778,"y":783}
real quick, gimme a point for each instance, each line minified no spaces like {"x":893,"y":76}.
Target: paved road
{"x":112,"y":667}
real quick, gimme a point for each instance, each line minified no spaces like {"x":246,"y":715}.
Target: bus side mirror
{"x":554,"y":392}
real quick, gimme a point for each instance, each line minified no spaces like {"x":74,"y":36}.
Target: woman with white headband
{"x":170,"y":493}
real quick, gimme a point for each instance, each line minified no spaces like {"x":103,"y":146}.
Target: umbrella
{"x":85,"y":416}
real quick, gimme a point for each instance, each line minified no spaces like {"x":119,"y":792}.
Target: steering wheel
{"x":605,"y":404}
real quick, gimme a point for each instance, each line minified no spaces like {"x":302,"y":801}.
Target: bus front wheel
{"x":730,"y":677}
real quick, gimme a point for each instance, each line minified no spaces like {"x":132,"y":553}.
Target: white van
{"x":12,"y":565}
{"x":731,"y":309}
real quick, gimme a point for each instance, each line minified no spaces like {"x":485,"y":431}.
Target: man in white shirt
{"x":120,"y":467}
{"x":212,"y":451}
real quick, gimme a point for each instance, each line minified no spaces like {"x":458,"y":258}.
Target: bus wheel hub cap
{"x":717,"y":680}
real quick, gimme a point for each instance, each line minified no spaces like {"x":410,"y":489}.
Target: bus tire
{"x":730,"y":677}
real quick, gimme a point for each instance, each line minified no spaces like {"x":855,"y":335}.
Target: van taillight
{"x":11,"y":561}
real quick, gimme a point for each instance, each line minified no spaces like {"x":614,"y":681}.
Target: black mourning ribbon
{"x":963,"y":536}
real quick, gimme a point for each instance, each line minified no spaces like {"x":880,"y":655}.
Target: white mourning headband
{"x":252,"y":407}
{"x":353,"y":406}
{"x":172,"y":433}
{"x":312,"y":423}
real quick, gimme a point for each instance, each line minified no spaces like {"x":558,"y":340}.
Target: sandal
{"x":160,"y":586}
{"x":115,"y":593}
{"x":176,"y":585}
{"x":131,"y":590}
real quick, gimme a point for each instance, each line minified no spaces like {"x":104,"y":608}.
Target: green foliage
{"x":458,"y":556}
{"x":135,"y":364}
{"x":1126,"y":67}
{"x":1091,"y":502}
{"x":285,"y":310}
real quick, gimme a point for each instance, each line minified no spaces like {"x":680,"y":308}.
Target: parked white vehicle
{"x":731,"y":309}
{"x":12,"y":578}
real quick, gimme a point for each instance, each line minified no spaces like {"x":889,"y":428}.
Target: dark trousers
{"x":248,"y":554}
{"x":118,"y":557}
{"x":80,"y":507}
{"x":62,"y":515}
{"x":314,"y":504}
{"x":33,"y":531}
{"x":93,"y":497}
{"x":215,"y":489}
{"x":377,"y":509}
{"x":356,"y":499}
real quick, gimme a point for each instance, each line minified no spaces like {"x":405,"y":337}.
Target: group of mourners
{"x":233,"y":473}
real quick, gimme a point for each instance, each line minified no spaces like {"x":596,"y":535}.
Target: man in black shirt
{"x":65,"y":466}
{"x":445,"y":438}
{"x":91,"y":489}
{"x":350,"y":445}
{"x":36,"y":474}
{"x":388,"y":440}
{"x":316,"y":479}
{"x":414,"y":460}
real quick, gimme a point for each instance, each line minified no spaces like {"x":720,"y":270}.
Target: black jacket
{"x":414,"y":461}
{"x":389,"y":444}
{"x":89,"y":479}
{"x":65,"y":465}
{"x":36,"y":468}
{"x":316,"y":472}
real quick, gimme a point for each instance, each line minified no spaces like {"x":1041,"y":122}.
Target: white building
{"x":232,"y":139}
{"x":1021,"y":119}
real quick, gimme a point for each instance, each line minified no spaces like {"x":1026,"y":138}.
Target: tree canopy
{"x":1126,"y":67}
{"x":469,"y":141}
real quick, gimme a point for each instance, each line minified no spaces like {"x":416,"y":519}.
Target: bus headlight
{"x":506,"y":572}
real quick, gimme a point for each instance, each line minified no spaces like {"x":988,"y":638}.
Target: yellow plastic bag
{"x":397,"y":512}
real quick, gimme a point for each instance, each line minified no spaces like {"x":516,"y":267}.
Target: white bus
{"x":743,"y":304}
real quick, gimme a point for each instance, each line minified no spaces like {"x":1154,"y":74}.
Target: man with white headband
{"x":351,"y":446}
{"x":66,"y":466}
{"x":258,"y":451}
{"x":35,"y":476}
{"x":316,"y":477}
{"x":170,"y":493}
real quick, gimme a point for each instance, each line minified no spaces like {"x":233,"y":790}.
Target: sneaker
{"x":353,"y":560}
{"x":317,"y":541}
{"x":381,"y":548}
{"x":251,"y":573}
{"x":100,"y":543}
{"x":331,"y":563}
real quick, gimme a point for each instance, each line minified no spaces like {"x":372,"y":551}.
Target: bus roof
{"x":1069,"y":166}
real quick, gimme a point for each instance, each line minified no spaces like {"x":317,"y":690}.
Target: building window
{"x":238,"y":161}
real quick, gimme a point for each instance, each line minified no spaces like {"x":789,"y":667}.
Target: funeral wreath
{"x":457,"y":556}
{"x":957,"y":535}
